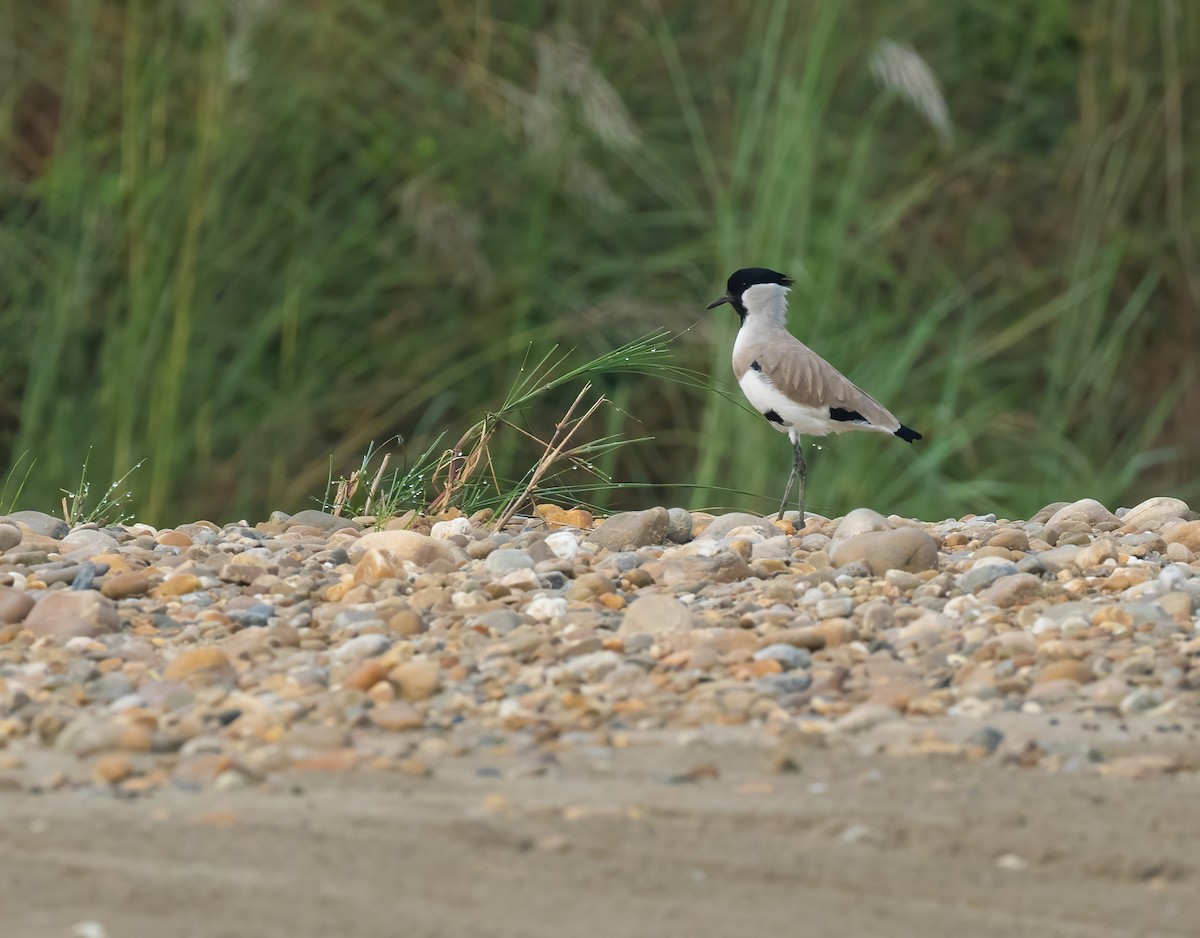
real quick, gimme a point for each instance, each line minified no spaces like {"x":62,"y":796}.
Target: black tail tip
{"x":907,"y":434}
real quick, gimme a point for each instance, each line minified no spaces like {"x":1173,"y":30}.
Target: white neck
{"x":766,"y":303}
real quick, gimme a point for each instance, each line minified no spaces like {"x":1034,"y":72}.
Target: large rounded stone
{"x":1187,"y":534}
{"x":1151,"y":514}
{"x":1079,"y":517}
{"x":909,"y":549}
{"x":38,"y":522}
{"x":632,"y":528}
{"x":73,"y":612}
{"x":407,"y":545}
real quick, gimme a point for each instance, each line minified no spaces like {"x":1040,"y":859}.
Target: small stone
{"x":563,"y":544}
{"x":1066,"y":670}
{"x":720,"y":526}
{"x":1017,"y":589}
{"x":557,"y":517}
{"x":860,"y":521}
{"x":655,"y":614}
{"x":406,"y":622}
{"x":15,"y":605}
{"x":362,"y":646}
{"x":507,"y":560}
{"x":865,"y":717}
{"x":125,"y":585}
{"x":1095,"y":553}
{"x":984,"y":572}
{"x":986,"y":739}
{"x":375,"y":566}
{"x":1010,"y":539}
{"x":10,"y":536}
{"x":366,"y":675}
{"x":836,"y":607}
{"x":73,"y":613}
{"x":173,"y":539}
{"x":200,"y":666}
{"x":321,"y":520}
{"x":396,"y":717}
{"x":632,"y":528}
{"x":178,"y":585}
{"x":1138,"y":700}
{"x":679,"y":525}
{"x":909,"y":549}
{"x":416,"y":680}
{"x":444,"y":530}
{"x":789,"y":656}
{"x":112,"y":768}
{"x":1186,"y":534}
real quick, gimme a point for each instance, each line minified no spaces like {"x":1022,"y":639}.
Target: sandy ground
{"x":610,"y":842}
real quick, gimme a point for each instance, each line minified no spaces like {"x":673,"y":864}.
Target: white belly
{"x":797,"y":418}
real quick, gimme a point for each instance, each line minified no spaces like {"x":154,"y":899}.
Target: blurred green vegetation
{"x":241,"y":240}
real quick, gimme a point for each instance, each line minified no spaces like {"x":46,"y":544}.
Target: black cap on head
{"x":741,"y":280}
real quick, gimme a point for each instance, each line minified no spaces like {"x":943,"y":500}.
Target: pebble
{"x":215,"y":657}
{"x":632,"y":529}
{"x":86,"y":614}
{"x":908,"y":549}
{"x":654,"y":614}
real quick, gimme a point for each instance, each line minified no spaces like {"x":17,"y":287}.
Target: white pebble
{"x":564,"y":544}
{"x":444,"y":530}
{"x":88,"y":930}
{"x":546,"y":607}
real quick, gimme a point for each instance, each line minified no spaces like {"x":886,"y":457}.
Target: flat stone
{"x":984,"y":572}
{"x":721,"y":525}
{"x":125,"y":585}
{"x":416,"y":680}
{"x":420,"y":549}
{"x":1013,"y":590}
{"x":1066,"y":670}
{"x":322,"y":521}
{"x":70,"y":613}
{"x":200,"y":666}
{"x":507,"y":560}
{"x":908,"y":548}
{"x":632,"y":529}
{"x":655,"y":614}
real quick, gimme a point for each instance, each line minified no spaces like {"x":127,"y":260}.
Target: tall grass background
{"x":243,"y":240}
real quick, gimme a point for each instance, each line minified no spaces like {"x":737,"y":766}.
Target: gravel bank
{"x":205,"y":657}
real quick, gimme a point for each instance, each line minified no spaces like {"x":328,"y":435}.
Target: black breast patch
{"x":773,"y":417}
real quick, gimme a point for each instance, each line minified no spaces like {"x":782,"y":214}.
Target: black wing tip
{"x":907,"y":434}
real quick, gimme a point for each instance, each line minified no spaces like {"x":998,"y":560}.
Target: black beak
{"x":721,"y":302}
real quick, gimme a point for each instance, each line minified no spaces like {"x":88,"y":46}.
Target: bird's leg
{"x":800,"y":470}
